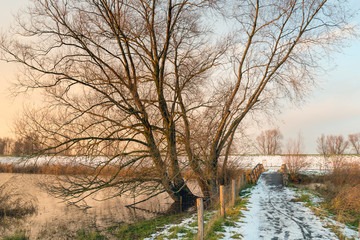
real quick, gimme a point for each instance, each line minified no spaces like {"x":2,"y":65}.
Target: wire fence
{"x":210,"y":209}
{"x":226,"y":197}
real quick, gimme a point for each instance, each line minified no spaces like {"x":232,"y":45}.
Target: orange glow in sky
{"x":333,"y":108}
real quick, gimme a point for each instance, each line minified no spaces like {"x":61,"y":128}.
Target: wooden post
{"x":200,"y":212}
{"x":180,"y":203}
{"x":240,"y":183}
{"x":222,"y":201}
{"x":233,"y":192}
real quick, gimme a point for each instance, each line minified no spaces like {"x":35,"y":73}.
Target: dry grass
{"x":14,"y":204}
{"x":233,"y":172}
{"x":72,"y":169}
{"x":341,"y":192}
{"x":348,"y":199}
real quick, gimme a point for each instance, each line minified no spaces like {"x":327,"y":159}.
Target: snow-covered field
{"x":316,"y":162}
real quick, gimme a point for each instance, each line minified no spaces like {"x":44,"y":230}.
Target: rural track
{"x":274,"y":215}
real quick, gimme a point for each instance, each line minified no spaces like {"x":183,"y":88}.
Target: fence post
{"x":233,"y":192}
{"x":240,"y":183}
{"x":222,"y":201}
{"x":180,"y":204}
{"x":200,"y":212}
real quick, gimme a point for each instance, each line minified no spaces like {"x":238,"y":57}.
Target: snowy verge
{"x":186,"y":229}
{"x":314,"y":203}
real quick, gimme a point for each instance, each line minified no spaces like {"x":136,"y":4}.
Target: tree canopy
{"x":156,"y":87}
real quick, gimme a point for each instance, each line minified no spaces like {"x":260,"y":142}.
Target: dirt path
{"x":272,"y":214}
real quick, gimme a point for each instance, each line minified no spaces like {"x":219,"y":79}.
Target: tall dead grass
{"x":348,"y":199}
{"x":341,"y":191}
{"x":72,"y":169}
{"x":15,"y":204}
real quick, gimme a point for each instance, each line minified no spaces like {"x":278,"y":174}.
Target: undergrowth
{"x":216,"y":229}
{"x":340,"y":194}
{"x":143,"y":229}
{"x":86,"y":235}
{"x":19,"y":235}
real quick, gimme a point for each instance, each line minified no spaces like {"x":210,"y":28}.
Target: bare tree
{"x":269,"y":142}
{"x":331,"y":145}
{"x":3,"y":143}
{"x":274,"y":55}
{"x":294,"y":159}
{"x":321,"y":145}
{"x":120,"y":75}
{"x":137,"y":82}
{"x":354,"y":141}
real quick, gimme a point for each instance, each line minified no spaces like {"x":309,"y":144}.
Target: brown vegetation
{"x":341,"y":191}
{"x":293,"y":158}
{"x":71,"y":169}
{"x":347,"y":200}
{"x":231,"y":171}
{"x":14,"y":204}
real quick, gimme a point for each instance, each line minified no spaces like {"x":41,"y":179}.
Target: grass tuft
{"x":19,"y":235}
{"x":142,"y":229}
{"x":84,"y":235}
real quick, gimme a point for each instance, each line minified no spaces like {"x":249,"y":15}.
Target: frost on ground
{"x":186,"y":229}
{"x":328,"y":219}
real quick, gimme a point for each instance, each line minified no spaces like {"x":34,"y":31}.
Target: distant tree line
{"x":34,"y":144}
{"x":18,"y":146}
{"x":337,"y":144}
{"x":269,"y":142}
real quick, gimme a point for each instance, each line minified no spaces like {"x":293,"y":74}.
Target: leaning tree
{"x":145,"y":90}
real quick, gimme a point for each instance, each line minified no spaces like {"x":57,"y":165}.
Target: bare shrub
{"x":346,"y":173}
{"x":293,"y":159}
{"x":348,"y":199}
{"x":230,"y":172}
{"x":6,"y":167}
{"x":15,"y":204}
{"x":340,"y":190}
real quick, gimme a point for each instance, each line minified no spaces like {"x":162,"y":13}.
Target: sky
{"x":331,"y":108}
{"x":10,"y":107}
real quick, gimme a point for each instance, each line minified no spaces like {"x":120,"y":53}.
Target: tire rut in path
{"x":272,"y":214}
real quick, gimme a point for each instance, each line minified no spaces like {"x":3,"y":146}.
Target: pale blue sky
{"x":333,"y":108}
